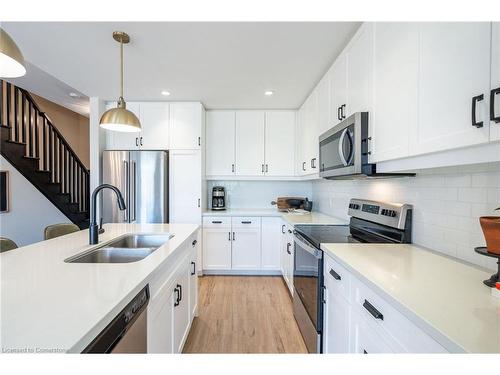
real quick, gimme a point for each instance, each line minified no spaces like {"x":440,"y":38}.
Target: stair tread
{"x":16,"y":143}
{"x":5,"y":127}
{"x":31,"y":157}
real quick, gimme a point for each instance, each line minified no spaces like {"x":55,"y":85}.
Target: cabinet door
{"x":155,"y":129}
{"x":123,"y":140}
{"x":160,"y":319}
{"x":290,"y":253}
{"x":337,"y":323}
{"x":338,"y":88}
{"x":311,"y":133}
{"x":454,"y":68}
{"x":301,"y":144}
{"x":395,"y":89}
{"x":220,"y":143}
{"x":364,"y":339}
{"x":280,"y":143}
{"x":271,"y":243}
{"x":246,"y":243}
{"x":324,"y":104}
{"x":217,"y":248}
{"x":283,"y":242}
{"x":495,"y":82}
{"x":185,"y":186}
{"x":360,"y":71}
{"x":250,"y":143}
{"x":185,"y":126}
{"x":181,"y":315}
{"x":193,"y":279}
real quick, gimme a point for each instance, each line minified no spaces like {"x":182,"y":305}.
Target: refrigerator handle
{"x":126,"y":175}
{"x":134,"y":184}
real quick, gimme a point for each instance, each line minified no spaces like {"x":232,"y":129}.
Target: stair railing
{"x":31,"y":126}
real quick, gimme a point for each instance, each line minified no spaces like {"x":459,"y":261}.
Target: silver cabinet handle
{"x":137,"y":141}
{"x":283,"y":229}
{"x":303,"y":165}
{"x":127,"y":176}
{"x":288,"y":248}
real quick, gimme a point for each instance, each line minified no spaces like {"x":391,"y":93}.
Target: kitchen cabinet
{"x":337,"y":324}
{"x":216,"y":243}
{"x":365,"y":339}
{"x":185,"y":186}
{"x":250,"y":143}
{"x":271,"y":243}
{"x":193,"y":278}
{"x":454,"y":80}
{"x":181,"y":314}
{"x":308,"y":136}
{"x":160,"y":316}
{"x":245,"y":242}
{"x":338,"y":89}
{"x":324,"y":104}
{"x":154,"y":118}
{"x":220,"y":149}
{"x":360,"y":71}
{"x":186,"y":121}
{"x":123,"y":140}
{"x":495,"y":82}
{"x":301,"y":146}
{"x":395,"y":93}
{"x":287,"y":255}
{"x":279,"y":143}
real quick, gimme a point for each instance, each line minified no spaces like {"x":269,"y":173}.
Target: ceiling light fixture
{"x":12,"y":63}
{"x":165,"y":93}
{"x":120,"y":119}
{"x":269,"y":93}
{"x":74,"y":95}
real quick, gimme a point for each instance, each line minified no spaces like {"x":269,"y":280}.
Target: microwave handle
{"x":341,"y":149}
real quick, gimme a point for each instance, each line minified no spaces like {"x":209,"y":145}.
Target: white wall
{"x":258,"y":194}
{"x":29,"y":212}
{"x":447,"y":204}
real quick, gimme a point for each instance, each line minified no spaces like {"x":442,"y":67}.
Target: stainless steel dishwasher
{"x":127,"y":332}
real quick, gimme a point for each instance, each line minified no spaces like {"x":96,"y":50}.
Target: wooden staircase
{"x":31,"y":143}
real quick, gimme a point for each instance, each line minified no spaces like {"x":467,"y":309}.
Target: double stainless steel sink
{"x":125,"y":249}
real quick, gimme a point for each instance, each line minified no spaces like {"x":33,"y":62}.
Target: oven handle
{"x":306,"y":246}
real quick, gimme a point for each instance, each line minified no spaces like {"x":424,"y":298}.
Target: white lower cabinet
{"x":287,"y":255}
{"x":173,"y":303}
{"x":359,"y":320}
{"x":216,"y":243}
{"x":193,"y":278}
{"x":245,"y":243}
{"x":271,"y":243}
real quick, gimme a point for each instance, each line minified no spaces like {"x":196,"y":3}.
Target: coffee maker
{"x":218,"y":198}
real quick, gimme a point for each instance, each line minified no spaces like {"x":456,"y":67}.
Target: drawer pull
{"x":335,"y":275}
{"x":216,"y":222}
{"x":288,"y":248}
{"x":246,"y":222}
{"x":372,"y":310}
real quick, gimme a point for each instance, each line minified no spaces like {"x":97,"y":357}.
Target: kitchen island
{"x":48,"y":305}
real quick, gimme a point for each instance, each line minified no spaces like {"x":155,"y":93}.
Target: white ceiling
{"x":223,"y":65}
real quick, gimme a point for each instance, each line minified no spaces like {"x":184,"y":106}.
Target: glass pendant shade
{"x":11,"y":59}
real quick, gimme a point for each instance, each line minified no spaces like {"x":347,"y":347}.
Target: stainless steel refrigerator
{"x":142,"y":177}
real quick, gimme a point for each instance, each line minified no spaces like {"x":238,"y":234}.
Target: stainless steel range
{"x":370,"y":222}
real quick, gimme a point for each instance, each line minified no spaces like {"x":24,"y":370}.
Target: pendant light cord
{"x":121,"y":67}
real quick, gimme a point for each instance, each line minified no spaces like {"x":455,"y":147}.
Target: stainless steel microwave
{"x":343,"y":151}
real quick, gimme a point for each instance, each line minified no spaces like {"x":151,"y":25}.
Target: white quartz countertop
{"x":444,"y":297}
{"x":292,"y":218}
{"x":47,"y":304}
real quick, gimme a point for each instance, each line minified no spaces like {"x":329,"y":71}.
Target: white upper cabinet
{"x":338,"y":89}
{"x":360,"y":71}
{"x":185,"y":186}
{"x":495,"y":82}
{"x":280,"y":143}
{"x":220,"y":150}
{"x":301,"y":145}
{"x":155,"y":129}
{"x":250,"y":143}
{"x":395,"y":89}
{"x":310,"y":134}
{"x":454,"y":82}
{"x":324,"y":104}
{"x":123,"y":140}
{"x":185,"y":125}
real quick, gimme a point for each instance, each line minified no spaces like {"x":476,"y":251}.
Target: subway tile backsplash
{"x":447,"y":205}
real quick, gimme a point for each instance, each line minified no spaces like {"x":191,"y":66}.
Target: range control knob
{"x":393,"y":214}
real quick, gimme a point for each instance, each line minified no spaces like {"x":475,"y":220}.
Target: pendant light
{"x":120,"y":119}
{"x":11,"y":59}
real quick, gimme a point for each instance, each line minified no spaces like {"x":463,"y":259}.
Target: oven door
{"x":308,"y":292}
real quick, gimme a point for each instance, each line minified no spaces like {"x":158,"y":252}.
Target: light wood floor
{"x":244,"y":314}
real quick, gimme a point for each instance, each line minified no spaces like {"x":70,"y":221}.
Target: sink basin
{"x":126,"y":249}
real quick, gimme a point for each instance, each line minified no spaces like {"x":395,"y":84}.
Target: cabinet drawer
{"x":337,"y":279}
{"x":245,"y":222}
{"x":401,"y":334}
{"x":216,"y":221}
